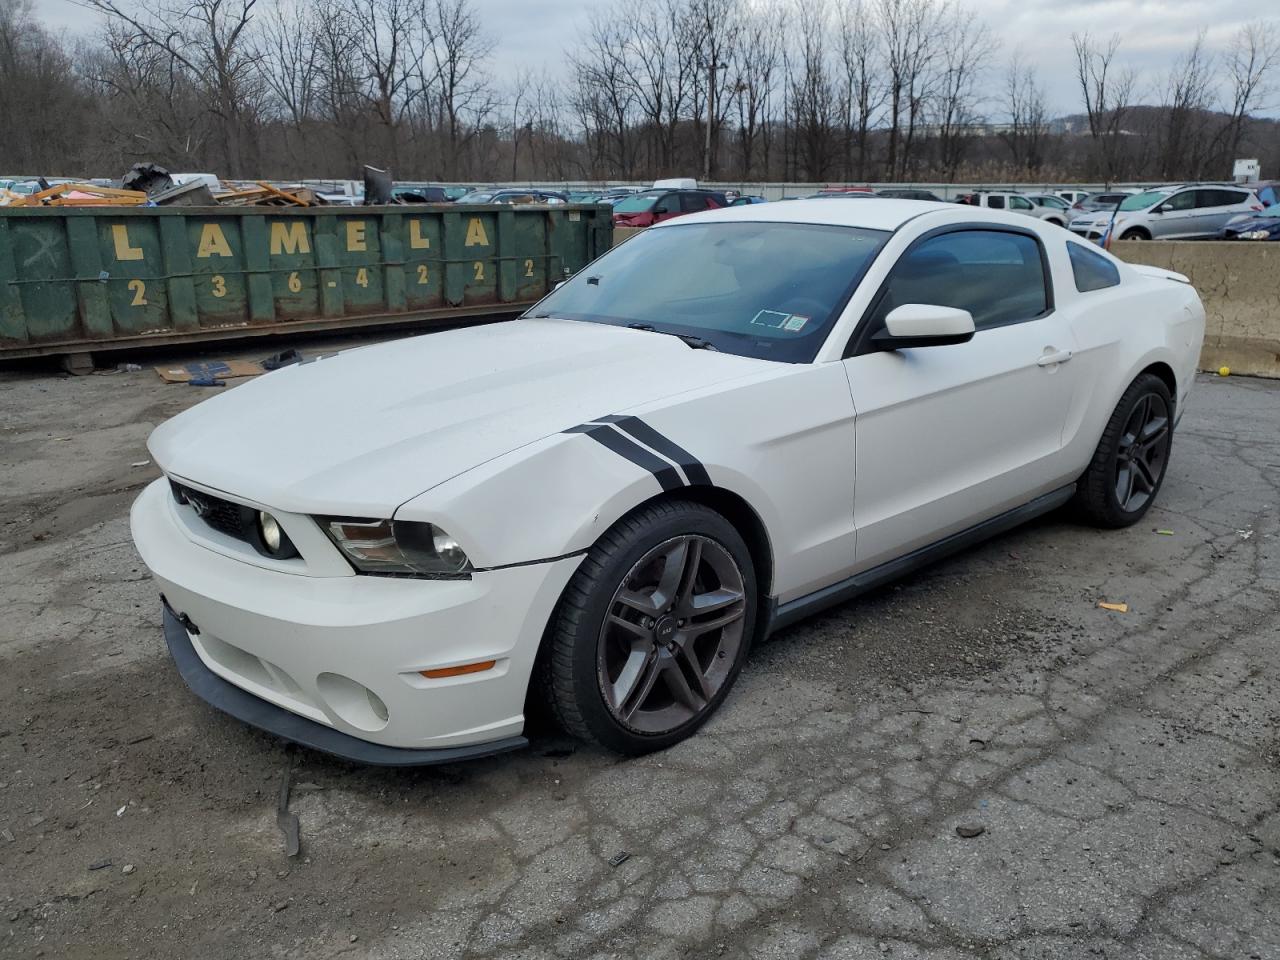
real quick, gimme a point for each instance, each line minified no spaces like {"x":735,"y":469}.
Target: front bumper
{"x":344,"y":654}
{"x":256,"y":712}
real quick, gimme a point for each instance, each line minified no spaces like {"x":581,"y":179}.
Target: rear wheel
{"x":652,"y":629}
{"x":1131,"y":459}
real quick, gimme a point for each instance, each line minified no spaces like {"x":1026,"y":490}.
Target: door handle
{"x":1049,"y":359}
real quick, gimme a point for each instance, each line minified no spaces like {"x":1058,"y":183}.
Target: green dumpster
{"x":79,"y":280}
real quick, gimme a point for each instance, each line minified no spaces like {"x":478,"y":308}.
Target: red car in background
{"x":653,"y":206}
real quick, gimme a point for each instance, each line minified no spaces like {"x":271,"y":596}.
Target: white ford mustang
{"x":725,"y":423}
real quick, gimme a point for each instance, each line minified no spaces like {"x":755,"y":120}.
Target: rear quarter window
{"x":1092,"y":271}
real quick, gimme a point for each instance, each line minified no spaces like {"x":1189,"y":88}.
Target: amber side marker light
{"x":442,"y":672}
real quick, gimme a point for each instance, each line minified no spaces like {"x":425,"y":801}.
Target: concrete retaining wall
{"x":1239,"y":282}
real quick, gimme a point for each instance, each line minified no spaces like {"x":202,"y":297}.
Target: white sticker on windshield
{"x":771,"y":318}
{"x":795,"y":322}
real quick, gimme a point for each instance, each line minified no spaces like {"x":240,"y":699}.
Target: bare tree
{"x":715,"y":26}
{"x":210,"y":39}
{"x":963,"y":58}
{"x":1027,"y":126}
{"x":1183,"y":140}
{"x":459,"y":50}
{"x":1106,"y":90}
{"x":1250,"y":61}
{"x":604,"y":96}
{"x":759,"y":58}
{"x":909,"y":34}
{"x":812,"y":94}
{"x":864,"y":91}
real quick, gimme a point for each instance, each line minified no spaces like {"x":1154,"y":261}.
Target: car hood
{"x":360,"y":433}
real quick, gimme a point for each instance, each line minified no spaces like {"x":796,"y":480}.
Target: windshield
{"x":1271,"y":211}
{"x":637,"y":204}
{"x":766,"y":290}
{"x":480,"y":196}
{"x":1141,"y":201}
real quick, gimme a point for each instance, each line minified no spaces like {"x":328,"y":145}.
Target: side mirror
{"x":924,"y":325}
{"x":1161,"y":209}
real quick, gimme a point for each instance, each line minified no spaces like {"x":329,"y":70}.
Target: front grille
{"x":222,"y":515}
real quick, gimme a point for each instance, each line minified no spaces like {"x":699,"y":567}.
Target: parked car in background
{"x":1190,"y":212}
{"x":418,"y":193}
{"x":1015,"y":202}
{"x":842,"y":192}
{"x":842,"y":195}
{"x":746,"y":200}
{"x":514,"y":195}
{"x":1268,"y":191}
{"x":655,"y":206}
{"x":1263,"y":225}
{"x":1101,"y":201}
{"x":908,"y":193}
{"x":1050,"y":200}
{"x":1072,"y":196}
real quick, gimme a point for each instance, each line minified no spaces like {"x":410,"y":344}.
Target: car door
{"x":1175,"y":218}
{"x":947,"y":436}
{"x":667,"y":207}
{"x":1219,"y":206}
{"x":695,"y":202}
{"x":1022,"y":205}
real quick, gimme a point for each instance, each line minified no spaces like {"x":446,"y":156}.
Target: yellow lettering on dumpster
{"x":289,"y":238}
{"x":476,"y":237}
{"x":416,"y":240}
{"x":120,"y":236}
{"x":355,"y":236}
{"x":213,"y":242}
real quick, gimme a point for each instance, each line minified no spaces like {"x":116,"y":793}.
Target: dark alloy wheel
{"x":652,"y":629}
{"x":672,"y":635}
{"x":1142,"y":453}
{"x":1132,"y":456}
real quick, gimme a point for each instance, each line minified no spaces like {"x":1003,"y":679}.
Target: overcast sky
{"x":536,"y":33}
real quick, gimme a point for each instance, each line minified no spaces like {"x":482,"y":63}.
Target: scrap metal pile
{"x":147,"y":185}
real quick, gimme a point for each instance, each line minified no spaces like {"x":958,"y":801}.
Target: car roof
{"x":885,"y":214}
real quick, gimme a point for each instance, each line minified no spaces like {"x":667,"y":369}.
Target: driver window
{"x":997,"y":276}
{"x":995,"y":203}
{"x":1017,"y":203}
{"x":1182,"y":201}
{"x":668,"y":204}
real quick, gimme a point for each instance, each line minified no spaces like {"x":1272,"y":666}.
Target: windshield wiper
{"x":697,"y":343}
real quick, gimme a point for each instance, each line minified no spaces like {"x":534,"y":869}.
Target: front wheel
{"x":652,"y":629}
{"x":1131,"y":459}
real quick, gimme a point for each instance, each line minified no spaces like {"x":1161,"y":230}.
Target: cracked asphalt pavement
{"x":1121,"y":770}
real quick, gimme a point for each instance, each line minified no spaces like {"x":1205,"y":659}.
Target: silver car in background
{"x":1191,"y":212}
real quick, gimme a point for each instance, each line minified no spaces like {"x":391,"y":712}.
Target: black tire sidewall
{"x":688,"y":519}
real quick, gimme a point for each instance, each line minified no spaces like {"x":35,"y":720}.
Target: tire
{"x":601,"y":636}
{"x":1120,"y":465}
{"x":1135,"y":234}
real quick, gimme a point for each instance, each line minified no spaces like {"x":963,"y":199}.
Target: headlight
{"x":398,"y":547}
{"x":1255,"y":235}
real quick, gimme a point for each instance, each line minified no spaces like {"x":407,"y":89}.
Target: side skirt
{"x":785,"y":614}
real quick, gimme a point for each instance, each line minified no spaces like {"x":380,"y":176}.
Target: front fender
{"x":549,"y":499}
